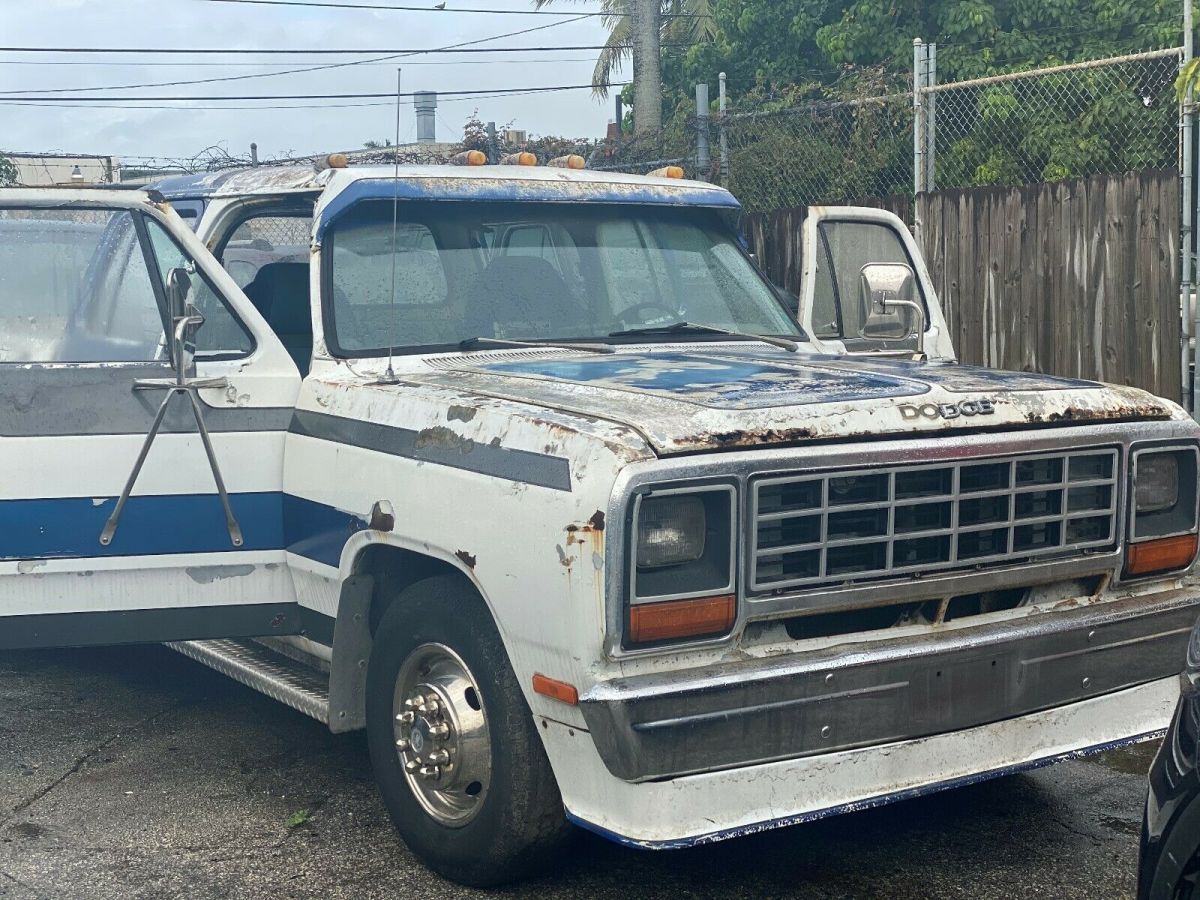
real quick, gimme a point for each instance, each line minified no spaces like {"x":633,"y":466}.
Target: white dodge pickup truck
{"x":532,"y":474}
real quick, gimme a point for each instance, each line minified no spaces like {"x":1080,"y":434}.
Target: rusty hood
{"x":689,"y":398}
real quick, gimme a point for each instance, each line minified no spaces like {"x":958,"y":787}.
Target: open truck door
{"x":866,"y":287}
{"x":142,"y":419}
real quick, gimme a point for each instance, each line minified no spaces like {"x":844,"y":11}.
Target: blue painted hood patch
{"x":725,"y":382}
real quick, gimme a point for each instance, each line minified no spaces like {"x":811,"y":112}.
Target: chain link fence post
{"x":703,"y":154}
{"x":920,"y":142}
{"x":929,"y":105}
{"x":724,"y":136}
{"x":1187,"y":118}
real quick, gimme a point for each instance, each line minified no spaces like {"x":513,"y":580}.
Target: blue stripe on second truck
{"x":69,"y":528}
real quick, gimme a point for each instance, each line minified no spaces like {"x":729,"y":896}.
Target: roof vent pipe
{"x":425,"y":104}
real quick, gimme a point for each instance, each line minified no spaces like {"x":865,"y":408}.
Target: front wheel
{"x":461,"y":768}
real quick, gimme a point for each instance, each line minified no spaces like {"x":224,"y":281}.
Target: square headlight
{"x":683,"y":544}
{"x":1164,"y":492}
{"x":681,"y":583}
{"x":671,"y":530}
{"x":1156,"y":482}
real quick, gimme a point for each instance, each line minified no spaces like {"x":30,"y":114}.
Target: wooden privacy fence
{"x":1077,"y":278}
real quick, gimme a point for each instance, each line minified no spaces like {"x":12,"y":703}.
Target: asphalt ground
{"x":136,"y":773}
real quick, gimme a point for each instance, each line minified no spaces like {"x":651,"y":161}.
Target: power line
{"x":394,"y":8}
{"x":339,"y":65}
{"x":478,"y":93}
{"x":366,"y":63}
{"x":314,"y":51}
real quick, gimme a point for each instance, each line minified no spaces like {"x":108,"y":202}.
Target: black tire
{"x":520,"y":820}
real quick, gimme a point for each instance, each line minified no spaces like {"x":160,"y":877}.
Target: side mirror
{"x":889,"y":312}
{"x":185,"y":319}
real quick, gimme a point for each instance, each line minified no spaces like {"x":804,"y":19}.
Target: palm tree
{"x":682,"y":21}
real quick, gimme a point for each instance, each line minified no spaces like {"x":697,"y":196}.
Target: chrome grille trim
{"x":943,"y":516}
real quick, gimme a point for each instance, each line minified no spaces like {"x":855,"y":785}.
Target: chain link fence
{"x":1093,"y":118}
{"x":818,"y":152}
{"x":1102,"y":117}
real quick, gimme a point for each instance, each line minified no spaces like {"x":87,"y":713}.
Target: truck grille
{"x":827,"y":528}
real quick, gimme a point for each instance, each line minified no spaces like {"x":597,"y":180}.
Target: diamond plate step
{"x":264,"y":670}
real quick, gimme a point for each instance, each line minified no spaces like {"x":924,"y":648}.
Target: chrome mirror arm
{"x":922,"y":325}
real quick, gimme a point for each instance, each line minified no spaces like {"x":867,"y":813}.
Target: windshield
{"x":528,"y":271}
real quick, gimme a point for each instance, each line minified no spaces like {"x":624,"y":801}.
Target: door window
{"x":840,"y":311}
{"x":75,"y":287}
{"x":222,"y":334}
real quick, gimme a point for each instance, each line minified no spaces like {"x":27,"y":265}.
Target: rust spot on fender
{"x":1108,"y":414}
{"x":597,"y":520}
{"x":467,"y":559}
{"x":443,"y":437}
{"x":751,"y":438}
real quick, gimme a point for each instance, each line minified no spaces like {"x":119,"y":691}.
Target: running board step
{"x":264,"y":670}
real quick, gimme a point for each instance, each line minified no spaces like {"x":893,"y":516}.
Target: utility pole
{"x":645,"y":21}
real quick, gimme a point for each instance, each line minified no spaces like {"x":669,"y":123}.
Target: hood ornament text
{"x":947,"y":410}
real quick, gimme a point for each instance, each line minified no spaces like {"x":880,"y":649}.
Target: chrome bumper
{"x":749,"y":712}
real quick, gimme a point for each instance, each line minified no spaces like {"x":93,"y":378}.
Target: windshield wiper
{"x":474,"y":343}
{"x":683,"y":327}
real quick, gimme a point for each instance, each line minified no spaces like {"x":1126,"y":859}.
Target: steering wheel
{"x":624,"y":315}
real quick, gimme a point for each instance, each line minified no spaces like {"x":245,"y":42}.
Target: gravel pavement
{"x":136,"y":773}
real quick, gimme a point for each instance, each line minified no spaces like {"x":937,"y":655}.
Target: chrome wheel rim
{"x":441,"y":736}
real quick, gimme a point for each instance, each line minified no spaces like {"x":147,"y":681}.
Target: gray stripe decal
{"x":440,"y":446}
{"x":57,"y":402}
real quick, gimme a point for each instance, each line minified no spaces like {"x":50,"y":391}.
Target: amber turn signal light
{"x":667,"y":172}
{"x":1161,"y":555}
{"x":523,"y":158}
{"x":555,"y":689}
{"x":675,"y":619}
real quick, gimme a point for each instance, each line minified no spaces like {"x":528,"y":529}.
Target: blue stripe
{"x":175,"y":523}
{"x":150,"y":525}
{"x":522,"y":190}
{"x":317,"y":531}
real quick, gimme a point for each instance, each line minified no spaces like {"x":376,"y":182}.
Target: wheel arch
{"x":375,"y":568}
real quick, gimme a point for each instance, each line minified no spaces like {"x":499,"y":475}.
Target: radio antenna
{"x":390,"y":376}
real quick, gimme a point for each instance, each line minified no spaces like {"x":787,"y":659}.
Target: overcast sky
{"x":201,"y":23}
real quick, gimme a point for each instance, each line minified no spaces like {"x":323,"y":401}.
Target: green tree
{"x":823,"y":53}
{"x":8,"y":172}
{"x":780,"y":42}
{"x":679,"y":22}
{"x":683,"y":22}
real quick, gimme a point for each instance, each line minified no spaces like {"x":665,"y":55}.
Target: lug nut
{"x":406,"y":718}
{"x":412,"y":702}
{"x":402,"y":744}
{"x":412,"y":765}
{"x":429,"y":772}
{"x":439,"y":730}
{"x":439,"y":757}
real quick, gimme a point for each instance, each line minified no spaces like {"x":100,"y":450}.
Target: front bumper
{"x":1171,"y":832}
{"x":757,"y":711}
{"x":698,"y":809}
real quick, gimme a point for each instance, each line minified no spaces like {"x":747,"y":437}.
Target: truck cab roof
{"x":432,"y":182}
